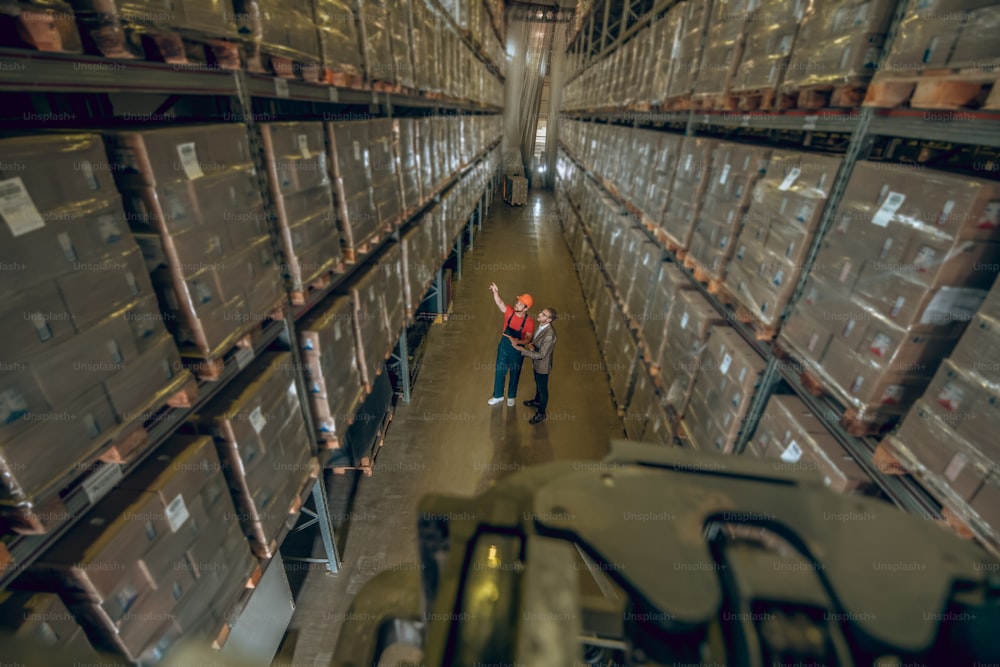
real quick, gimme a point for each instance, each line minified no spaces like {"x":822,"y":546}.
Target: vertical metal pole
{"x":472,"y":232}
{"x":458,"y":256}
{"x":439,"y":290}
{"x":325,"y":527}
{"x":404,"y":366}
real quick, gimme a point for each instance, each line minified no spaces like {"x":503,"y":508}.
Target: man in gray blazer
{"x":540,"y":353}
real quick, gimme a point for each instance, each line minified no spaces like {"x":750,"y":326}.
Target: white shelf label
{"x":17,"y":209}
{"x":281,"y":87}
{"x":189,"y":160}
{"x":99,"y":483}
{"x":257,"y":420}
{"x":790,"y":179}
{"x":746,"y":121}
{"x":304,"y":146}
{"x":956,"y":466}
{"x":684,"y":321}
{"x":725,"y":174}
{"x":334,"y":94}
{"x":177,"y":513}
{"x":244,"y":357}
{"x":793,"y":453}
{"x":889,"y":207}
{"x":809,"y":122}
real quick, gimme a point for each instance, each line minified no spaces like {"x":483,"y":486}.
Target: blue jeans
{"x":508,"y":359}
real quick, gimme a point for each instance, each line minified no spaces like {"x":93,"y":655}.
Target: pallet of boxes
{"x":515,"y":191}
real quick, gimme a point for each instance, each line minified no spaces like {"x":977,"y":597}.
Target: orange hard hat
{"x":526,"y":300}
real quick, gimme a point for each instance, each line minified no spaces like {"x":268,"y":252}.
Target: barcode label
{"x":357,"y":151}
{"x":189,"y":160}
{"x":17,"y":209}
{"x":790,"y":179}
{"x":727,"y":361}
{"x":304,"y":146}
{"x":177,"y":513}
{"x":725,"y":175}
{"x":888,"y":209}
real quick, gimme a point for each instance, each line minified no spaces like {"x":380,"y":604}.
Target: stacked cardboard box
{"x":262,"y":441}
{"x":107,"y":25}
{"x":734,"y":173}
{"x":690,"y":179}
{"x":644,"y":273}
{"x":691,"y":321}
{"x":383,"y":138}
{"x":300,"y":189}
{"x":332,"y":368}
{"x":339,"y":43}
{"x":410,"y":171}
{"x":160,"y":557}
{"x":401,"y":42}
{"x":517,"y":190}
{"x":771,"y":32}
{"x":285,"y":30}
{"x":796,"y":439}
{"x":194,"y":205}
{"x":724,"y":44}
{"x":950,"y":433}
{"x":943,"y":33}
{"x":43,"y":26}
{"x":42,"y":620}
{"x":621,"y":355}
{"x":686,"y":50}
{"x":838,"y":43}
{"x":84,"y":347}
{"x":907,"y":263}
{"x":371,"y":335}
{"x":376,"y":37}
{"x":640,"y":405}
{"x":390,"y":264}
{"x":665,"y":292}
{"x":349,"y":156}
{"x":778,"y":231}
{"x":724,"y":386}
{"x":420,"y":264}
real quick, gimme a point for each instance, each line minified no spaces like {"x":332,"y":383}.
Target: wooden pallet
{"x":682,"y":103}
{"x":317,"y":284}
{"x":756,"y":99}
{"x":852,"y":420}
{"x":714,"y":102}
{"x":49,"y":29}
{"x":211,"y":368}
{"x":812,"y":98}
{"x":945,"y":89}
{"x":176,"y":48}
{"x":341,"y":79}
{"x":266,"y":551}
{"x":702,"y":275}
{"x":761,"y":330}
{"x":669,"y":243}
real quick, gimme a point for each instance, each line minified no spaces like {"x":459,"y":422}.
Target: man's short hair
{"x":552,"y":313}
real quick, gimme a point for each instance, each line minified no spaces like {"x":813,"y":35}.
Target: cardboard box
{"x":145,"y":382}
{"x":979,"y":348}
{"x":691,"y":321}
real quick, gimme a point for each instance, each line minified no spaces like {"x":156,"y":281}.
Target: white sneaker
{"x":494,"y":401}
{"x":510,"y":402}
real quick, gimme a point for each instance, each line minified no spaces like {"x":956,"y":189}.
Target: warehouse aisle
{"x":448,"y":439}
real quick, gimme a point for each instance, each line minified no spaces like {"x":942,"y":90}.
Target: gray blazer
{"x":541,"y":356}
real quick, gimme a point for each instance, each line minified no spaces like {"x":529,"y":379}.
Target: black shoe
{"x":538,"y":418}
{"x":532,"y":404}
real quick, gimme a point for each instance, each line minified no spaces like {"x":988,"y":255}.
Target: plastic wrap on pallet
{"x":795,"y":439}
{"x":339,"y":42}
{"x":690,"y":180}
{"x":193,"y":201}
{"x":300,"y":188}
{"x":670,"y":64}
{"x":724,"y":385}
{"x":689,"y":324}
{"x":640,"y":405}
{"x":370,"y":332}
{"x":261,"y":438}
{"x":401,"y":42}
{"x":280,"y":28}
{"x":138,"y":586}
{"x":771,"y":33}
{"x":349,"y":145}
{"x":376,"y":39}
{"x":732,"y":177}
{"x":663,"y":295}
{"x":944,"y":33}
{"x":84,"y":329}
{"x":620,"y":354}
{"x":390,"y":263}
{"x":910,"y":257}
{"x":383,"y":139}
{"x":332,"y":368}
{"x":410,"y":167}
{"x":723,"y":46}
{"x":778,"y":231}
{"x":44,"y":25}
{"x":686,"y":53}
{"x":838,"y":42}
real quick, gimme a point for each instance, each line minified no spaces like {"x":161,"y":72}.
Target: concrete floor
{"x":448,"y":440}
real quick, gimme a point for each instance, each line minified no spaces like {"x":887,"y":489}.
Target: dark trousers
{"x":541,"y":390}
{"x":508,"y":360}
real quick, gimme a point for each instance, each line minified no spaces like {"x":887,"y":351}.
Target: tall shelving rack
{"x":861,"y":132}
{"x":64,"y":91}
